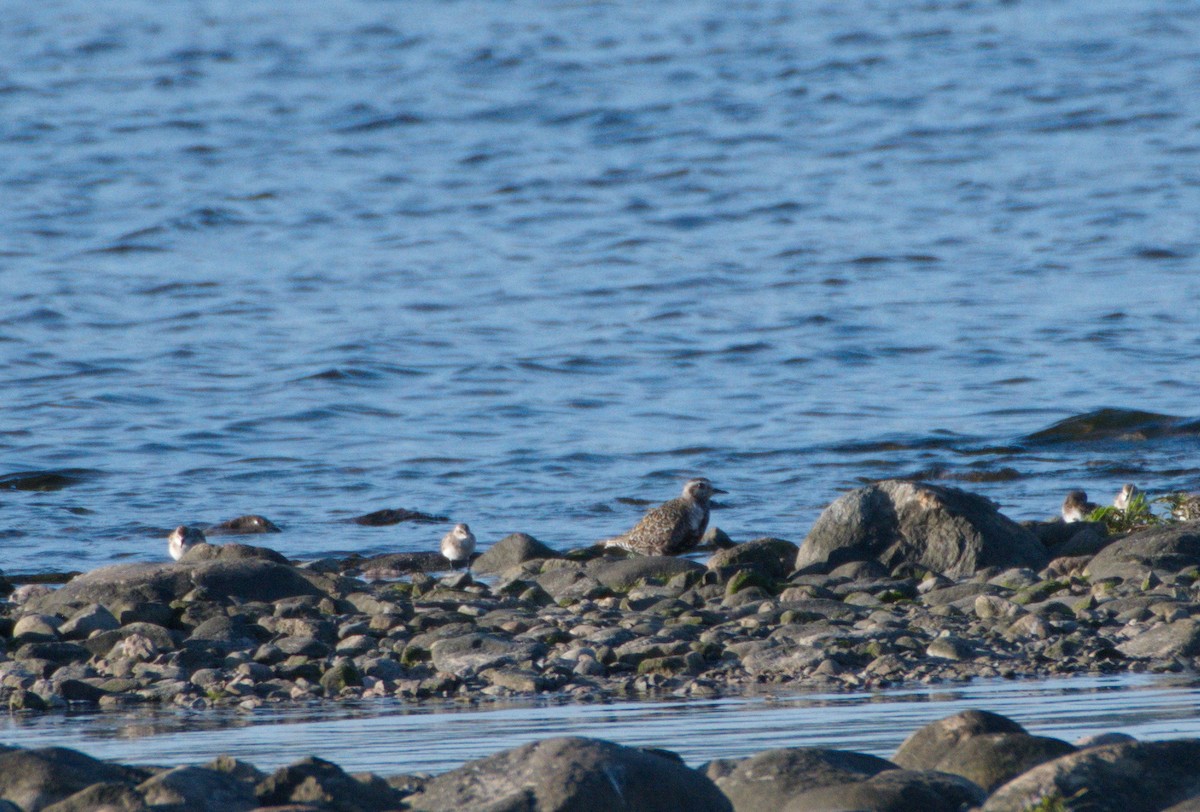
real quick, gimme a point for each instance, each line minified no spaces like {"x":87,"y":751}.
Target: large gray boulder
{"x":513,"y":549}
{"x":893,"y":791}
{"x":1132,"y":777}
{"x":1170,"y":548}
{"x":929,"y":527}
{"x":992,"y":759}
{"x":198,"y":789}
{"x":121,"y":585}
{"x":767,"y":781}
{"x":34,"y":779}
{"x":771,"y":557}
{"x":572,"y":774}
{"x":326,"y":786}
{"x":622,"y":574}
{"x":469,"y":654}
{"x":1180,"y":638}
{"x":925,"y":747}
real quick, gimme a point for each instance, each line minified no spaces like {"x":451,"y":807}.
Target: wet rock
{"x":1171,"y":548}
{"x":771,"y":557}
{"x":1133,"y":777}
{"x":339,"y":676}
{"x":324,"y":784}
{"x":576,"y":774}
{"x":513,"y":549}
{"x":893,"y":791}
{"x":33,"y":779}
{"x":198,"y":789}
{"x":766,"y":781}
{"x":927,"y":746}
{"x":929,"y":527}
{"x":389,"y":516}
{"x":243,"y":525}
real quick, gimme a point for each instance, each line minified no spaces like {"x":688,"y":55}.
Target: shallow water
{"x":515,"y":263}
{"x":388,"y":738}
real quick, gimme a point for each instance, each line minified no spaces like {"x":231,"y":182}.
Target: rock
{"x":992,"y":759}
{"x":926,"y":747}
{"x":770,"y":556}
{"x":33,"y":779}
{"x":36,"y":628}
{"x":198,"y":789}
{"x":622,"y":574}
{"x":231,"y":552}
{"x":1133,"y":777}
{"x":921,"y":526}
{"x":1178,"y":639}
{"x":224,"y":577}
{"x":1171,"y":548}
{"x":576,"y":774}
{"x":243,"y":525}
{"x":91,"y":618}
{"x":391,"y":565}
{"x":387,"y":516}
{"x":511,"y":550}
{"x":893,"y":791}
{"x":471,"y":653}
{"x":340,"y":675}
{"x":766,"y":781}
{"x":107,"y":797}
{"x":322,"y":783}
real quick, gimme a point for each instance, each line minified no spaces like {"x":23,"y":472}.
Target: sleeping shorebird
{"x":1125,"y":496}
{"x":673,"y":527}
{"x":1076,"y":507}
{"x":182,"y":539}
{"x":458,"y":546}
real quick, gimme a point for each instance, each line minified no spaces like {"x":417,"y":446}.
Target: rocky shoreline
{"x":972,"y":760}
{"x":897,"y":582}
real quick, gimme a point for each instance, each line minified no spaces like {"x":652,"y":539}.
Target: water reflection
{"x":390,"y":738}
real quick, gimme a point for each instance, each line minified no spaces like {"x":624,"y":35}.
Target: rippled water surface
{"x":522,"y":263}
{"x":390,"y":739}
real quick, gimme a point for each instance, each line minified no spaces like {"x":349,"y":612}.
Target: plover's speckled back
{"x":1125,"y":496}
{"x":458,"y":546}
{"x":182,"y":539}
{"x":673,"y":527}
{"x":1076,"y":507}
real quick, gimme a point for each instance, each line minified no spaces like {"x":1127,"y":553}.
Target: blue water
{"x":523,"y":263}
{"x":390,"y":738}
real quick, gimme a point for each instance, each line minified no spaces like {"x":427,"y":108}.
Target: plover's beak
{"x":718,"y":490}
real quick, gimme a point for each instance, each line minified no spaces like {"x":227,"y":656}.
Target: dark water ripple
{"x":529,"y":266}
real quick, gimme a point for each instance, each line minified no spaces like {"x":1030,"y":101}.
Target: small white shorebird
{"x":673,"y":527}
{"x":1076,"y":507}
{"x":1125,"y":496}
{"x":182,"y":539}
{"x":458,"y":546}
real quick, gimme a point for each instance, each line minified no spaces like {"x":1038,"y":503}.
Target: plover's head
{"x":462,"y":531}
{"x":1125,"y":496}
{"x":700,"y":489}
{"x":182,"y":539}
{"x":1075,"y":499}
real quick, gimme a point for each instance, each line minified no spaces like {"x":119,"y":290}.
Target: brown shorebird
{"x":673,"y":527}
{"x":1076,"y":507}
{"x":182,"y":539}
{"x":458,"y":546}
{"x":1125,"y":496}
